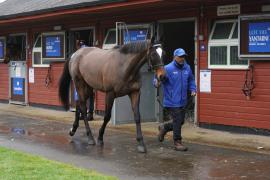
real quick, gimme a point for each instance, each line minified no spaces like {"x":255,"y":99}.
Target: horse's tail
{"x":64,"y":86}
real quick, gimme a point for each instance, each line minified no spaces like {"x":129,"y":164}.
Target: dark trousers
{"x":177,"y":115}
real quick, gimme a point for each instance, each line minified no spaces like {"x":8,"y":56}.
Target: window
{"x":2,"y":48}
{"x":48,"y":47}
{"x":223,"y":46}
{"x":222,"y":30}
{"x":111,"y":37}
{"x":16,"y":47}
{"x":36,"y":54}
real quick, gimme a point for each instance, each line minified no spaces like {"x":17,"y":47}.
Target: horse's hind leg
{"x":83,"y":92}
{"x":76,"y":122}
{"x":91,"y":104}
{"x":91,"y":140}
{"x":135,"y":102}
{"x":108,"y":110}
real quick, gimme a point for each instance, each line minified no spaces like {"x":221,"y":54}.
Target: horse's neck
{"x":134,"y":66}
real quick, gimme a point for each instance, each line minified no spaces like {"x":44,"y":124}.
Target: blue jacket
{"x":176,"y":84}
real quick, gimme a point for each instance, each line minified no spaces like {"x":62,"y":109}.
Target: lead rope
{"x":158,"y":100}
{"x":249,"y":85}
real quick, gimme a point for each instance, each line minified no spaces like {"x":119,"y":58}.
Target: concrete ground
{"x":45,"y":132}
{"x":191,"y":133}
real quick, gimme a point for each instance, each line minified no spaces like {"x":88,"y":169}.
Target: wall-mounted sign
{"x":259,"y":37}
{"x":2,"y":48}
{"x":31,"y":75}
{"x":205,"y":81}
{"x":265,"y":8}
{"x":233,"y":9}
{"x":53,"y":46}
{"x":135,"y":35}
{"x":18,"y":86}
{"x":254,"y":37}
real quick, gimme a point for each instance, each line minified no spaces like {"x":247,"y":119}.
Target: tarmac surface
{"x":37,"y":134}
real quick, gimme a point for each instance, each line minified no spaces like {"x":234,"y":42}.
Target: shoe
{"x":162,"y":133}
{"x":178,"y":146}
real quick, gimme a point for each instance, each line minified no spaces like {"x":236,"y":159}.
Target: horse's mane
{"x":133,"y":47}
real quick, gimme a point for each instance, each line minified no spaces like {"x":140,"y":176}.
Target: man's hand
{"x":193,"y":93}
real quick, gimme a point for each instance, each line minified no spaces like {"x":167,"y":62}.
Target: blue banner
{"x":259,"y":37}
{"x":53,"y":46}
{"x":135,"y":35}
{"x":2,"y":49}
{"x":18,"y":86}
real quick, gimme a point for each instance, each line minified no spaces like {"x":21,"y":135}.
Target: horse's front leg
{"x":108,"y":111}
{"x":135,"y":102}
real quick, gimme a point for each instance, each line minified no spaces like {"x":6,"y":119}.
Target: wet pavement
{"x":119,"y":157}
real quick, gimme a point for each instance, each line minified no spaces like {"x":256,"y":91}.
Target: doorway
{"x":77,"y":37}
{"x":16,"y":50}
{"x":179,"y":34}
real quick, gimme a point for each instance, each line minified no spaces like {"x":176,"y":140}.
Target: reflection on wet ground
{"x":119,"y":153}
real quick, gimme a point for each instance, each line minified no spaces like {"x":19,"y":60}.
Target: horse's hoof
{"x":91,"y":142}
{"x":141,"y":149}
{"x":71,"y":133}
{"x":100,"y":142}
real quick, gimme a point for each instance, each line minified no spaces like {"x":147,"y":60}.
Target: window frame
{"x":4,"y":50}
{"x":225,"y":42}
{"x":40,"y":49}
{"x":111,"y":30}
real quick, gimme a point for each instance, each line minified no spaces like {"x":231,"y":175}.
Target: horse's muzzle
{"x":161,"y":77}
{"x":160,"y":74}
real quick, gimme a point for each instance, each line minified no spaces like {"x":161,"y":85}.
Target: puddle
{"x":19,"y":131}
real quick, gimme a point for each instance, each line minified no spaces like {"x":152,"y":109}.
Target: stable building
{"x":227,"y":43}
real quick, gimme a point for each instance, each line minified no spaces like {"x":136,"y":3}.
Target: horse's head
{"x":154,"y":59}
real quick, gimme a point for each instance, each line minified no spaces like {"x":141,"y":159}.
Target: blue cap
{"x":179,"y":52}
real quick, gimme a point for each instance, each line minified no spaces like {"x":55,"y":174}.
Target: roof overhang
{"x":106,"y":8}
{"x":75,"y":10}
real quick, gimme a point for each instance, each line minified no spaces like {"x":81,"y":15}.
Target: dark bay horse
{"x":115,"y":72}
